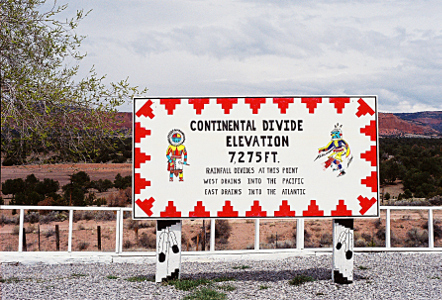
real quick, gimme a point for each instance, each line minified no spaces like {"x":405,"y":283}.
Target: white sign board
{"x":244,"y":157}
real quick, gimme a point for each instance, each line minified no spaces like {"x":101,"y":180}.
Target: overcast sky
{"x":392,"y":49}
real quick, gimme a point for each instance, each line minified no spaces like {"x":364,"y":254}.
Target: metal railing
{"x":299,"y":228}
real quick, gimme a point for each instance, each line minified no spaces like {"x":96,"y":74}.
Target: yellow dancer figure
{"x":339,"y":150}
{"x":176,"y":154}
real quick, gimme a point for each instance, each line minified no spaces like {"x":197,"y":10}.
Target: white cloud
{"x":392,"y":49}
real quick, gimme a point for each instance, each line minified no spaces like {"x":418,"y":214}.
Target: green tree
{"x":102,"y":185}
{"x":81,"y":179}
{"x":42,"y":107}
{"x":74,"y":194}
{"x":47,"y":186}
{"x":13,"y":186}
{"x":121,"y":182}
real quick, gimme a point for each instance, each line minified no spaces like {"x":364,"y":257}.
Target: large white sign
{"x":241,"y":157}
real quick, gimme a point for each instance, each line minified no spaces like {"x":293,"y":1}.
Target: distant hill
{"x":394,"y":125}
{"x":428,"y":124}
{"x":425,"y":118}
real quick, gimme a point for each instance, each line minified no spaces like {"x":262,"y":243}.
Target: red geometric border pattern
{"x":140,"y":157}
{"x":256,"y":210}
{"x":146,"y":110}
{"x":170,"y":211}
{"x":371,"y":181}
{"x":313,"y":210}
{"x":146,"y":205}
{"x":341,"y":210}
{"x":227,"y":104}
{"x":198,"y":104}
{"x":227,"y":211}
{"x":199,"y":211}
{"x":140,"y":183}
{"x":283,"y":103}
{"x":365,"y":204}
{"x":311,"y":103}
{"x":170,"y":104}
{"x":370,"y":130}
{"x":255,"y":104}
{"x":339,"y":103}
{"x":370,"y":156}
{"x":284,"y":210}
{"x":140,"y":132}
{"x":363,"y":109}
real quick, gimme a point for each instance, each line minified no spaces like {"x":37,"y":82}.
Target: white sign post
{"x":255,"y":157}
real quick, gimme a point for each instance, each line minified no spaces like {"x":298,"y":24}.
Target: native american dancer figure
{"x":339,"y":151}
{"x":176,"y":154}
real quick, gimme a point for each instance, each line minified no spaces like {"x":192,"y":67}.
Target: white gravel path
{"x":376,"y":276}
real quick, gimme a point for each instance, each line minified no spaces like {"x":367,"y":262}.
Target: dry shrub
{"x":326,"y":239}
{"x":132,"y":224}
{"x":367,"y":237}
{"x":33,"y":217}
{"x":105,"y":215}
{"x":46,"y":202}
{"x":148,"y":240}
{"x":54,"y":216}
{"x":5,"y":220}
{"x":271,"y":238}
{"x":417,"y":237}
{"x":83,"y":215}
{"x":120,"y":198}
{"x":127,"y":244}
{"x":83,"y":246}
{"x":16,"y":230}
{"x":222,"y":231}
{"x":287,"y":244}
{"x":49,"y":233}
{"x":360,"y":242}
{"x":377,"y":223}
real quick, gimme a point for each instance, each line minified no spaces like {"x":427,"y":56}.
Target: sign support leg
{"x":343,"y":250}
{"x":168,"y":263}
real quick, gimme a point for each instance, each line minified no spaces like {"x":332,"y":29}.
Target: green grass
{"x":226,"y":287}
{"x":320,"y":294}
{"x":243,"y":267}
{"x":221,"y":279}
{"x":206,"y":294}
{"x":139,"y":278}
{"x":78,"y":275}
{"x":263,"y":287}
{"x":363,"y":268}
{"x":10,"y":280}
{"x":300,"y":279}
{"x":112,"y":277}
{"x":188,"y":284}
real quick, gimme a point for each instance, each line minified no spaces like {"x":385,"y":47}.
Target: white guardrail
{"x":299,"y":232}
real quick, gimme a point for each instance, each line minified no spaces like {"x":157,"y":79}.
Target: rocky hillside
{"x":394,"y":125}
{"x":429,"y":118}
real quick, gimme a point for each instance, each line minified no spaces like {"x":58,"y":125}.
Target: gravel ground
{"x":376,"y":276}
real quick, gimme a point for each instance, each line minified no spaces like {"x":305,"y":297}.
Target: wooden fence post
{"x":99,"y":237}
{"x":25,"y":248}
{"x":57,"y":237}
{"x":38,"y":232}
